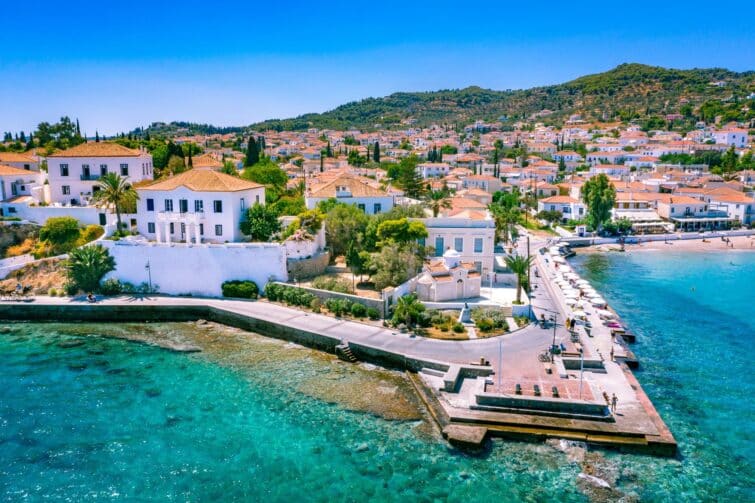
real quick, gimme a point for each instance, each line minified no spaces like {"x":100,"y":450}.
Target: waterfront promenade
{"x":635,"y":421}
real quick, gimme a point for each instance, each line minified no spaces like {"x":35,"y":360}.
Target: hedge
{"x":242,"y":289}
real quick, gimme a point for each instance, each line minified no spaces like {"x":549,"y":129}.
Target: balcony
{"x":176,"y":216}
{"x":89,"y":177}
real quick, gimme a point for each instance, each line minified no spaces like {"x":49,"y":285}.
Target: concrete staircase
{"x":343,"y":351}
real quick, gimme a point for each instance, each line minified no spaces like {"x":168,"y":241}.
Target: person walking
{"x":611,"y":354}
{"x":614,"y":401}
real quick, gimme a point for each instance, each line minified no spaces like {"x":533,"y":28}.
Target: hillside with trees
{"x":629,"y":91}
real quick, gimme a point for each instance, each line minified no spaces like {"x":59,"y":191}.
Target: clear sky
{"x":118,"y":65}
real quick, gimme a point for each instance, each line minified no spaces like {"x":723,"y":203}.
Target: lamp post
{"x":581,"y":370}
{"x":553,"y":345}
{"x":500,"y":363}
{"x":148,"y":267}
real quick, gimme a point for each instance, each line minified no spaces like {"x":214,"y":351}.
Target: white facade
{"x":473,"y":239}
{"x":731,"y":137}
{"x":73,"y":178}
{"x":17,"y":182}
{"x":569,"y":207}
{"x":372,"y":205}
{"x":20,"y":161}
{"x":433,"y":169}
{"x":183,"y":214}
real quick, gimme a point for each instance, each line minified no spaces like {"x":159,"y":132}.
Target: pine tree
{"x":376,"y":152}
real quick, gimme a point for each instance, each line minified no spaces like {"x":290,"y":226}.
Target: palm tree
{"x":407,"y":309}
{"x":438,"y":200}
{"x":87,"y":265}
{"x":519,"y":266}
{"x":114,"y":190}
{"x":505,"y":219}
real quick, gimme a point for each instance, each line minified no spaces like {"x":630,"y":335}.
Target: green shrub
{"x":485,"y":324}
{"x":273,"y":291}
{"x":315,"y":305}
{"x":242,"y":289}
{"x":111,"y":287}
{"x":90,"y":233}
{"x":358,"y":310}
{"x":52,"y":292}
{"x":489,"y":319}
{"x":373,"y":313}
{"x":332,"y":284}
{"x":338,"y":306}
{"x":71,"y":288}
{"x":458,"y":328}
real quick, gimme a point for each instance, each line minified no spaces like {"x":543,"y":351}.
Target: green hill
{"x":628,"y":91}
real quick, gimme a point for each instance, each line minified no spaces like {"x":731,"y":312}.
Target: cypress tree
{"x":191,"y":162}
{"x":96,"y":136}
{"x":252,"y":153}
{"x":321,"y":164}
{"x":376,"y":152}
{"x":328,"y":150}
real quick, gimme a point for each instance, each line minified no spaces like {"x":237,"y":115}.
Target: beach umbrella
{"x":603,"y":313}
{"x":570,"y":302}
{"x":559,"y":260}
{"x":583,"y":282}
{"x":597,"y":301}
{"x":571,"y":295}
{"x":579,"y":314}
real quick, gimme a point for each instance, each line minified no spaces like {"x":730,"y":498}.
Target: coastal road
{"x":526,"y":341}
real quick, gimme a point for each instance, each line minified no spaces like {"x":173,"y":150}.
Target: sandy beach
{"x":702,"y":244}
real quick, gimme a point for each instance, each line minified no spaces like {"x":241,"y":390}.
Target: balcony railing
{"x":89,"y":177}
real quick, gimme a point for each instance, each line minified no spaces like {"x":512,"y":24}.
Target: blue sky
{"x":120,"y":65}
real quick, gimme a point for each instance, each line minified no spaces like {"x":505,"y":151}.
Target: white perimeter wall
{"x":39,"y":214}
{"x":197,"y":269}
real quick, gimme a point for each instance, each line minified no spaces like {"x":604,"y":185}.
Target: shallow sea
{"x":86,"y":414}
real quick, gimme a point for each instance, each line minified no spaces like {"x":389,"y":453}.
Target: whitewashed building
{"x":470,"y":233}
{"x":19,"y":160}
{"x":73,"y":173}
{"x":351,"y":189}
{"x":569,"y":207}
{"x":448,"y":278}
{"x":196,"y":206}
{"x":17,"y":184}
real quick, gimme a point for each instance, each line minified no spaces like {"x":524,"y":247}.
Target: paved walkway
{"x":521,"y":341}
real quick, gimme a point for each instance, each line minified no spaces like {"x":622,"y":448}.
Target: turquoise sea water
{"x":694,"y":316}
{"x":84,"y":416}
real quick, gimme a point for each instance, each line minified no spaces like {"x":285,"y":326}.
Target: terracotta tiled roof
{"x":206,"y":161}
{"x":16,"y":157}
{"x":355,"y":185}
{"x":203,"y":180}
{"x":99,"y":149}
{"x":11,"y":171}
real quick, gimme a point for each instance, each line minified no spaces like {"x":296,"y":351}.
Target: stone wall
{"x":308,"y":267}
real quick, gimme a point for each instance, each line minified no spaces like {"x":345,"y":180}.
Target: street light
{"x":148,"y":268}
